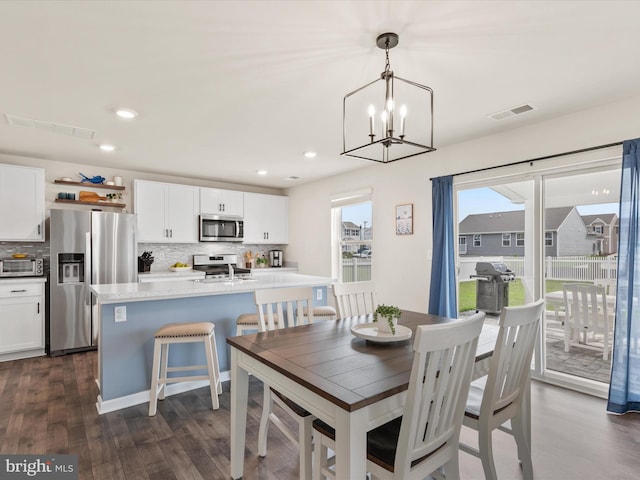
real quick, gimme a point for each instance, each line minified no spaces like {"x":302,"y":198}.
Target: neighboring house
{"x":502,"y":233}
{"x":603,"y":231}
{"x":351,"y":231}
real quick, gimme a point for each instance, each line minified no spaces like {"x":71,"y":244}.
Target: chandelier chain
{"x":387,"y":66}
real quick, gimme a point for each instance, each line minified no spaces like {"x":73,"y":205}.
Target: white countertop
{"x":169,"y":274}
{"x":137,"y":292}
{"x":23,"y":280}
{"x":273,"y":269}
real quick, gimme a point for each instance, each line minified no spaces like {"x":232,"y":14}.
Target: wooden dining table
{"x":348,"y":382}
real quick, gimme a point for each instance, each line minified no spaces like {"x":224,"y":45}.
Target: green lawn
{"x":467,"y":292}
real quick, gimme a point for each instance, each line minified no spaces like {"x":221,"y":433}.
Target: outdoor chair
{"x":587,"y":312}
{"x":499,"y":396}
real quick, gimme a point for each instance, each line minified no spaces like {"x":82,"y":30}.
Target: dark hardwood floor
{"x":47,"y":405}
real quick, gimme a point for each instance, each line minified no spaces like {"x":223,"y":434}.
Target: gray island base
{"x":125,"y":348}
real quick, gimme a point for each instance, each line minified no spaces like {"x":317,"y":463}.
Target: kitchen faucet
{"x":230,"y":271}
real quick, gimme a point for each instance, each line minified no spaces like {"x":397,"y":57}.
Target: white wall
{"x":402,"y":264}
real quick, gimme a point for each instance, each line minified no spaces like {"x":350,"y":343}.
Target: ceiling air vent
{"x":511,"y":112}
{"x":57,"y":128}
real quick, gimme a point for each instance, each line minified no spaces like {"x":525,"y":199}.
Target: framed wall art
{"x":404,"y":219}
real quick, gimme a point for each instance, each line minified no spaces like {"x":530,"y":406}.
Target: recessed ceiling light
{"x":126,"y":113}
{"x":106,"y":147}
{"x":261,"y":172}
{"x":310,"y":154}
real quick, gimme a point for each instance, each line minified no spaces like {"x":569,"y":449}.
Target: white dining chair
{"x":281,"y":308}
{"x":425,"y":438}
{"x":353,"y":299}
{"x":499,"y":396}
{"x":589,"y":313}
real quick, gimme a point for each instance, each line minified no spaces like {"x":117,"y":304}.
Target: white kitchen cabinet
{"x":21,"y":319}
{"x":167,"y":212}
{"x":266,"y":218}
{"x":21,"y":203}
{"x":221,"y":202}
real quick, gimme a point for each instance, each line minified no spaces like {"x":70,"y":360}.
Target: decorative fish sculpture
{"x":96,"y":179}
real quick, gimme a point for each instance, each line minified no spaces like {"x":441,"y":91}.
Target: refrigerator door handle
{"x":87,"y":268}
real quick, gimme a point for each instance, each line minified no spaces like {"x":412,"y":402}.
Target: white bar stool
{"x":183,"y":333}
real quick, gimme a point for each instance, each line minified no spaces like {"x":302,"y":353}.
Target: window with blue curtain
{"x":442,"y":292}
{"x":624,"y":390}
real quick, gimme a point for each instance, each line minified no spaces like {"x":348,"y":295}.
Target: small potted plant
{"x":114,"y":197}
{"x":262,"y":262}
{"x":391,"y":313}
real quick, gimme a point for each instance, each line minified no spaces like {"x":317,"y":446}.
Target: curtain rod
{"x":582,"y":150}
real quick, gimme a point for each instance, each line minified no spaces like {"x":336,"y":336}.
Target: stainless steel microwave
{"x":21,"y":267}
{"x":221,"y":228}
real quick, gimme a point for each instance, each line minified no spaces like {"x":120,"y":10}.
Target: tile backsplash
{"x":164,"y":254}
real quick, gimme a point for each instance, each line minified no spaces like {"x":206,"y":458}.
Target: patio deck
{"x":579,"y":361}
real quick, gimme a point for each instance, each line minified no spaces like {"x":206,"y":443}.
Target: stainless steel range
{"x":220,"y":266}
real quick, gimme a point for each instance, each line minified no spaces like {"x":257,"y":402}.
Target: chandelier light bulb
{"x":383,"y":118}
{"x":403,"y":114}
{"x":372,"y":114}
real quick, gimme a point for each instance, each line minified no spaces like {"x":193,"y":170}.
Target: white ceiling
{"x":225,"y":88}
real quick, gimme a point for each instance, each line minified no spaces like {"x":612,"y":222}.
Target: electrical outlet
{"x":319,"y":294}
{"x":120,"y":313}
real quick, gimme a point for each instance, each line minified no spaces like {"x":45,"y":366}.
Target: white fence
{"x":573,"y":268}
{"x":356,"y":269}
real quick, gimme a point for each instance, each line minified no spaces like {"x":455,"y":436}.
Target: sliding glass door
{"x":550,"y":228}
{"x":581,"y":252}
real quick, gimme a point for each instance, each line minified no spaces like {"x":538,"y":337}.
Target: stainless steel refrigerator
{"x":87,"y":248}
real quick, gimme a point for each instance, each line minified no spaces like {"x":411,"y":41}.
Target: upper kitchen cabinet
{"x":21,"y":203}
{"x":266,"y":218}
{"x":222,"y":202}
{"x":167,"y":212}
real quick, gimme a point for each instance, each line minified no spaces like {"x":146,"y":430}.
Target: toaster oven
{"x":21,"y":267}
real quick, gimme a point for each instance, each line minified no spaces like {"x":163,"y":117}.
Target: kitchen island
{"x":125,"y":340}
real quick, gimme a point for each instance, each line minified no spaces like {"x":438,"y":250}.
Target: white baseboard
{"x":7,"y":357}
{"x":106,"y":406}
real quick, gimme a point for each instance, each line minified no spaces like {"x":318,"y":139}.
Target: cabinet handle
{"x":18,"y":291}
{"x":223,"y":207}
{"x":171,"y":233}
{"x":38,"y":307}
{"x":38,"y":229}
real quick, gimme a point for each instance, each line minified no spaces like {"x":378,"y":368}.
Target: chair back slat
{"x":287,"y":303}
{"x":353,"y":299}
{"x":511,"y":360}
{"x":438,"y":388}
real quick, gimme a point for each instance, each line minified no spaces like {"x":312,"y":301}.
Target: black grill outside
{"x":492,"y":286}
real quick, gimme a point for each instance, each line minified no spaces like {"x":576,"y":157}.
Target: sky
{"x":357,"y":214}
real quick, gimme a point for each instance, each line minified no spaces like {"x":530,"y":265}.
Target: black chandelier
{"x":405,"y":114}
